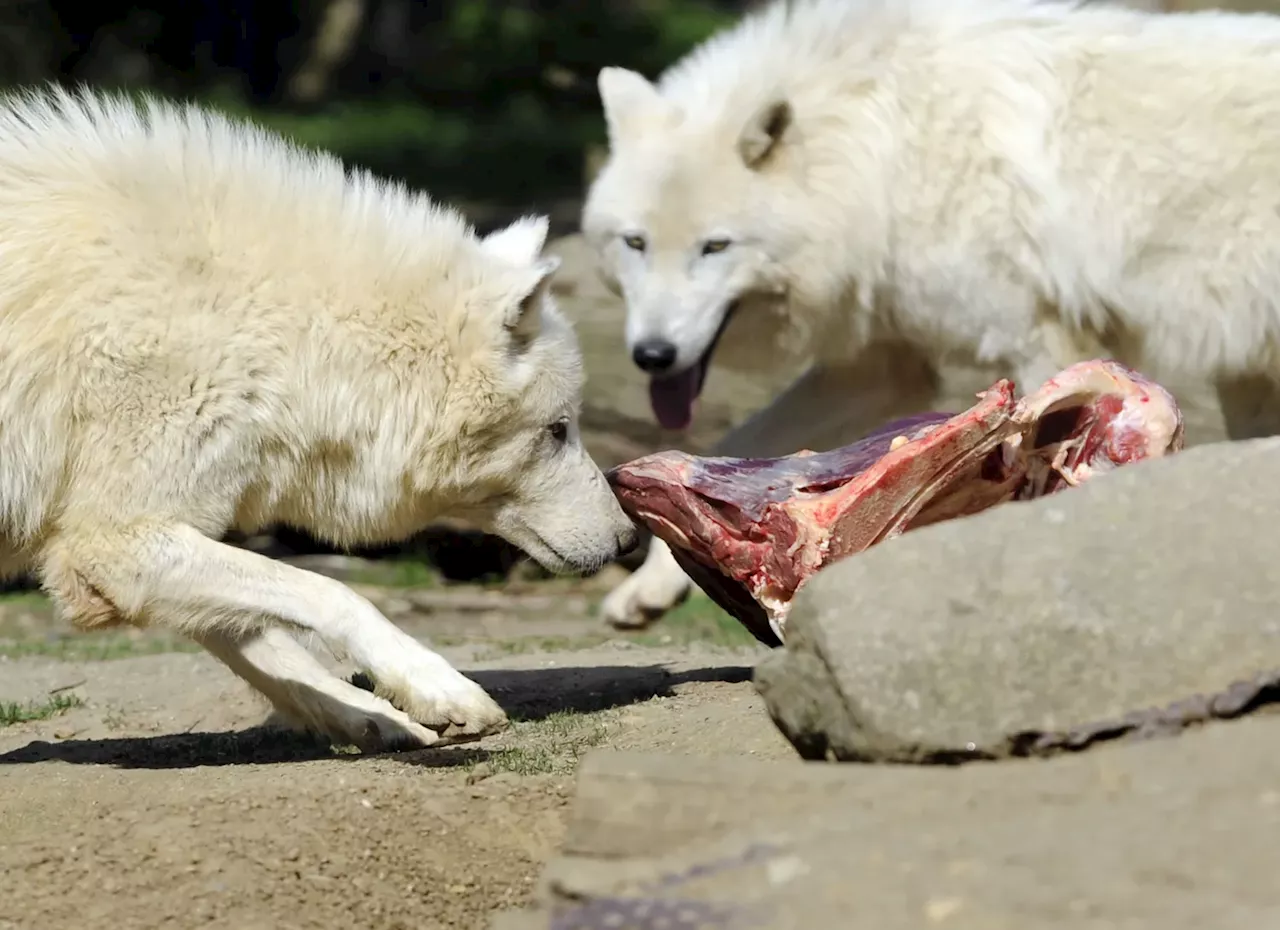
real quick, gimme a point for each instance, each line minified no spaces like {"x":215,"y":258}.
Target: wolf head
{"x":682,"y":218}
{"x":521,"y":466}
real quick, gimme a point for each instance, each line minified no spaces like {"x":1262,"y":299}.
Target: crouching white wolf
{"x":1009,"y":183}
{"x":202,"y":328}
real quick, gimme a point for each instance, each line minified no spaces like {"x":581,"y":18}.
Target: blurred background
{"x":488,"y":104}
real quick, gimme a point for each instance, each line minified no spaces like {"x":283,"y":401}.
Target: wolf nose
{"x":654,"y":355}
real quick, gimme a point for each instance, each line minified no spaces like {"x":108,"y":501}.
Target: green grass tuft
{"x":94,"y":647}
{"x":398,"y":573}
{"x":13,"y":713}
{"x":552,"y":745}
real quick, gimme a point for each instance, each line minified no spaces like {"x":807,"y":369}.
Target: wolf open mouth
{"x":672,"y":397}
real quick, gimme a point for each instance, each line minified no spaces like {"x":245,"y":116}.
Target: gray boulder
{"x":1140,"y":602}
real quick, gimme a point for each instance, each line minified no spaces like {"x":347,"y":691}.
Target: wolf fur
{"x":895,"y":183}
{"x":203,"y":329}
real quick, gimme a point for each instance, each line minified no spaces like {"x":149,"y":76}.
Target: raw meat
{"x":750,"y":532}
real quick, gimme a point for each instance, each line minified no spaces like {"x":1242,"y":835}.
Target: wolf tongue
{"x":672,"y":398}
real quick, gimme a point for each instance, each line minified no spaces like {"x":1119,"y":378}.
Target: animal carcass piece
{"x":750,"y":532}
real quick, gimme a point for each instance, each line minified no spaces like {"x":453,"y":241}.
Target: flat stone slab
{"x":1141,"y":602}
{"x":1171,"y":834}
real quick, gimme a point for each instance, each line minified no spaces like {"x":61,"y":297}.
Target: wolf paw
{"x":357,"y":718}
{"x":389,"y":733}
{"x":452,"y":706}
{"x":646,"y":594}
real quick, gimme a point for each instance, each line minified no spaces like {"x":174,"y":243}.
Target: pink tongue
{"x":672,"y":398}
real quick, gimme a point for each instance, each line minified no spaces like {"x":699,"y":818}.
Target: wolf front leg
{"x":826,"y":407}
{"x":176,"y":576}
{"x":304,"y":692}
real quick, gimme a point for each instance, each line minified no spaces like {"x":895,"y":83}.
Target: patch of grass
{"x":94,"y":647}
{"x":698,"y":620}
{"x":22,"y":611}
{"x":32,"y":599}
{"x":29,"y":627}
{"x":447,"y":640}
{"x":398,"y":573}
{"x":552,"y":745}
{"x":12,"y":713}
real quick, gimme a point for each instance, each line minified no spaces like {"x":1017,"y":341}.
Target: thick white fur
{"x":202,"y":328}
{"x":1015,"y":183}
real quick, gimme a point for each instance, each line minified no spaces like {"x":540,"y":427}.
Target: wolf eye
{"x":635,"y":243}
{"x":559,"y":430}
{"x":712,"y":246}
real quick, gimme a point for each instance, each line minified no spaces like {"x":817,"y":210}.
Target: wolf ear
{"x":763,"y":132}
{"x":522,"y":317}
{"x":630,"y":102}
{"x":521,"y":242}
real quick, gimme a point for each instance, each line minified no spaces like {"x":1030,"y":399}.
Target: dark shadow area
{"x":256,"y":746}
{"x":457,"y":553}
{"x":532,"y":694}
{"x":526,"y":695}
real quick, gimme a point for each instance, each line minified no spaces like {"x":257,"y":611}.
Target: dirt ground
{"x":139,"y":787}
{"x":150,"y":794}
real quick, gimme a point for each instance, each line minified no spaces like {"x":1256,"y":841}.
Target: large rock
{"x":1046,"y":624}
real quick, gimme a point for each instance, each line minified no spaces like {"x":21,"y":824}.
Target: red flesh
{"x":751,"y":532}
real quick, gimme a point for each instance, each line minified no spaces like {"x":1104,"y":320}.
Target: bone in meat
{"x":751,"y":532}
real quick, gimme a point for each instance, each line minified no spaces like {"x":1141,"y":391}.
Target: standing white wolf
{"x":203,"y":328}
{"x":1010,"y":183}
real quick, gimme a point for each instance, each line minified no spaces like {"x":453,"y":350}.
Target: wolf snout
{"x":628,"y":540}
{"x":654,"y":356}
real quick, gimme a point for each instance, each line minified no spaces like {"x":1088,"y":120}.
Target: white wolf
{"x":203,"y":328}
{"x":1011,"y":183}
